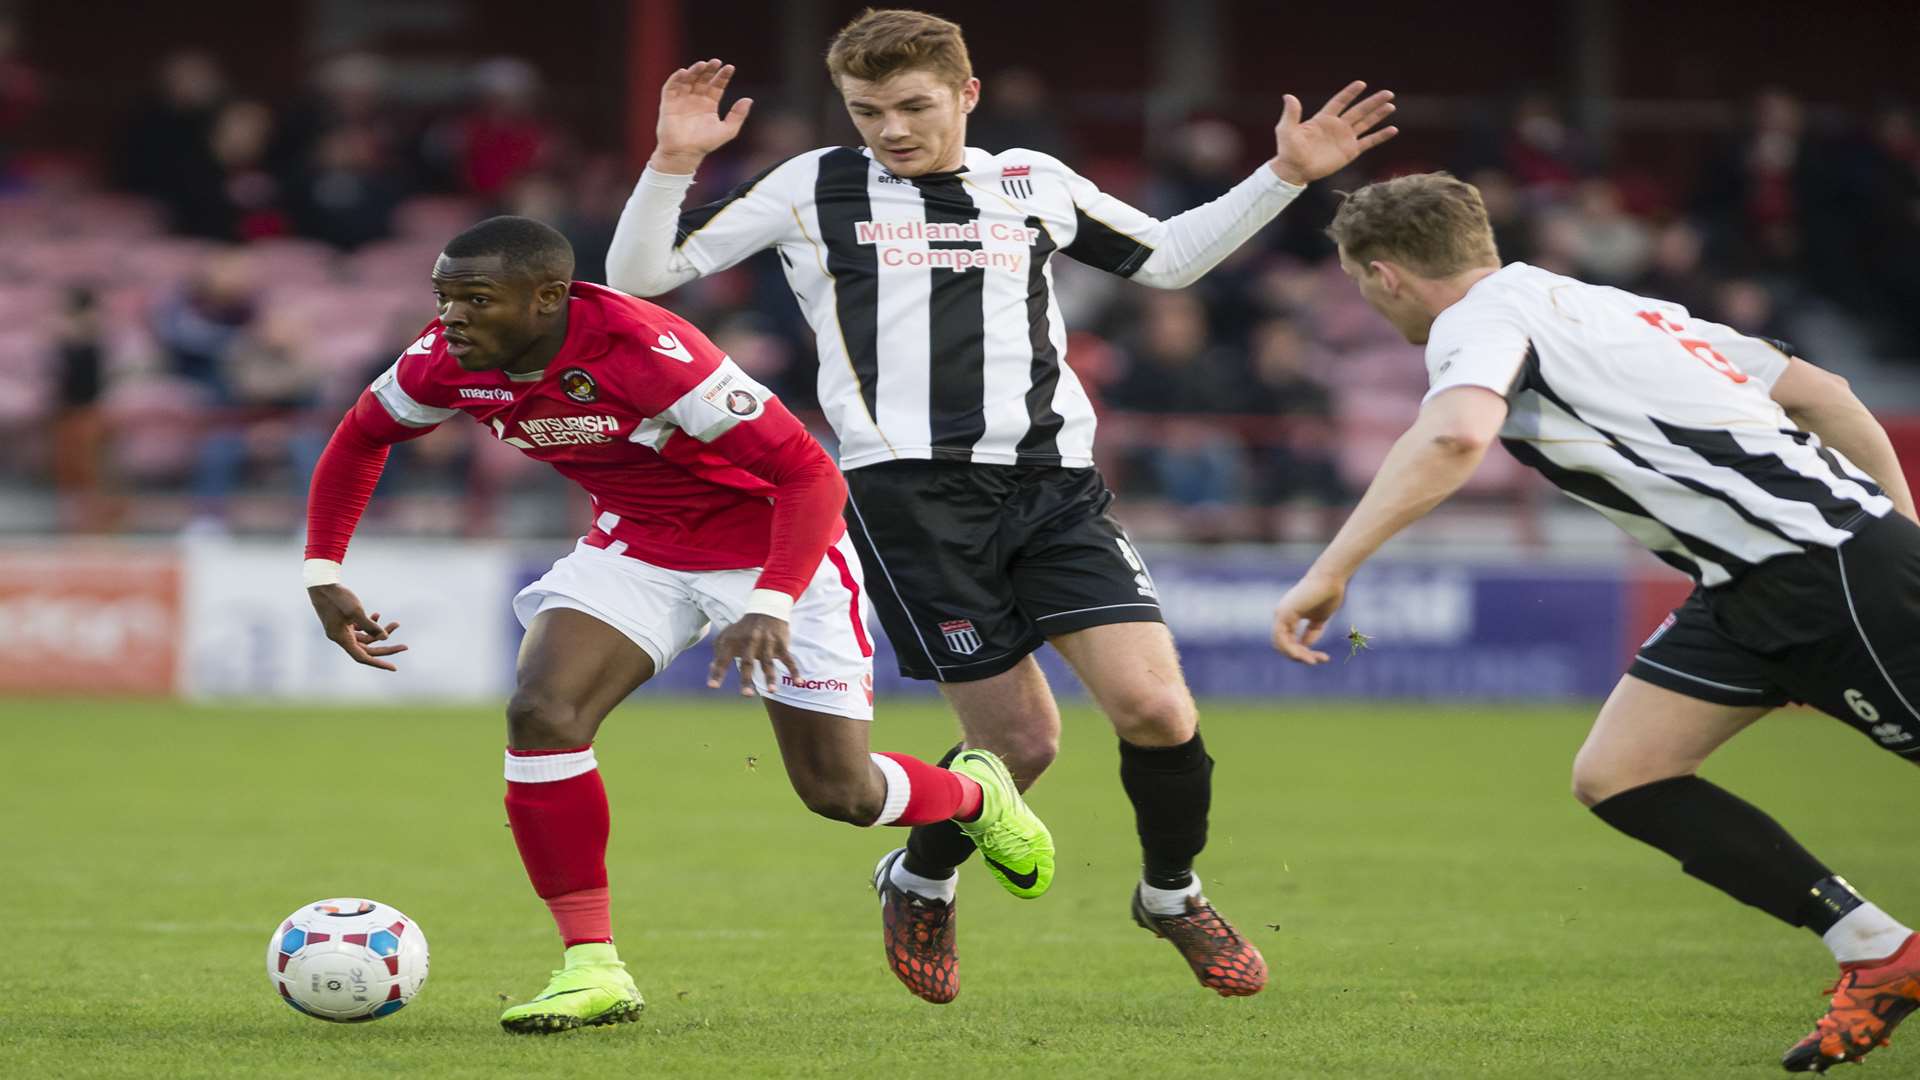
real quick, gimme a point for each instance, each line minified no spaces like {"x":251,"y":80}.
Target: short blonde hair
{"x":1432,"y":223}
{"x":879,"y":44}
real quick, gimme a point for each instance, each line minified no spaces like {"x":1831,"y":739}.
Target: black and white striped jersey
{"x":1661,"y":421}
{"x":931,"y":299}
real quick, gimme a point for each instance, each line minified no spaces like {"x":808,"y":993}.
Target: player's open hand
{"x":1333,"y":137}
{"x":1302,"y":616}
{"x":349,"y":626}
{"x":691,"y":126}
{"x":754,"y":640}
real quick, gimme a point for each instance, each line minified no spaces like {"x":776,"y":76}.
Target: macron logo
{"x":670,"y":346}
{"x":424,"y":345}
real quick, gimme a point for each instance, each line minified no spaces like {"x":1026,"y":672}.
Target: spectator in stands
{"x":348,"y":93}
{"x":1506,"y":212}
{"x":1541,"y":150}
{"x":248,"y":204}
{"x":1208,"y":157}
{"x":1174,"y":372}
{"x":1294,"y":457}
{"x":1612,"y":247}
{"x":1892,"y":185}
{"x":1674,"y":271}
{"x":580,"y":202}
{"x":503,"y":136}
{"x":344,"y":197}
{"x":79,"y":431}
{"x":270,"y":392}
{"x":1747,"y":305}
{"x":166,"y":151}
{"x":199,"y":320}
{"x":1016,"y":109}
{"x":1752,"y":190}
{"x":20,"y":95}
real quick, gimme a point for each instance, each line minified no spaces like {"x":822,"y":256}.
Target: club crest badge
{"x":579,"y":386}
{"x":961,"y":637}
{"x":1017,"y":181}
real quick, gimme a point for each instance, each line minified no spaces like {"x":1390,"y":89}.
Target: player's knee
{"x":1028,"y":755}
{"x":1596,"y":779}
{"x":1162,"y":715}
{"x":842,"y":800}
{"x":536,"y":721}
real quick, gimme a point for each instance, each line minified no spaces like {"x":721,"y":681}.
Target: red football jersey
{"x":633,"y":409}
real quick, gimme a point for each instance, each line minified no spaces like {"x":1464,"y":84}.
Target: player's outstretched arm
{"x":1822,"y":402}
{"x":1329,"y":140}
{"x":690,"y":125}
{"x":1426,"y":465}
{"x":1176,"y":252}
{"x":343,"y":482}
{"x":645,"y":257}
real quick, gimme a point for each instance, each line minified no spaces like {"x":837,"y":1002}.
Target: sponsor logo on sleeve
{"x":728,"y":396}
{"x":669,"y":345}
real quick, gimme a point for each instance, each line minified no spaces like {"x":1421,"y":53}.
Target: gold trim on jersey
{"x":846,"y":354}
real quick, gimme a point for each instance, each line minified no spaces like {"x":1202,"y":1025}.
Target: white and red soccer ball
{"x":347,"y":960}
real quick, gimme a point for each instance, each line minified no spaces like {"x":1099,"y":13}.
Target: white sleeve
{"x":400,"y":404}
{"x":724,"y":399}
{"x":657,"y":246}
{"x":643,"y":259}
{"x":1764,"y":359}
{"x":1174,"y":253}
{"x":1482,"y":346}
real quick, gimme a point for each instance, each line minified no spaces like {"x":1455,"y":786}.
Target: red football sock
{"x":921,"y":794}
{"x":558,"y":809}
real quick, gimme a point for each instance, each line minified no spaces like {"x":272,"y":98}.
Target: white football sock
{"x":1865,"y":933}
{"x":942,"y":890}
{"x":1168,"y":901}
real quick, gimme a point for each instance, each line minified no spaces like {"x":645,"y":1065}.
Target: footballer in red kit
{"x":712,"y":508}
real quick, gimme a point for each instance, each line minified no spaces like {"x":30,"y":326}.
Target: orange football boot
{"x":918,"y":933}
{"x":1869,"y":1001}
{"x":1224,"y":962}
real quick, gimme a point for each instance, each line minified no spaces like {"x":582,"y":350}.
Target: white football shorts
{"x":667,"y":611}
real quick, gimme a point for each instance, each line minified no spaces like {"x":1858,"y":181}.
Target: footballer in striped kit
{"x":924,"y":267}
{"x":1740,"y":464}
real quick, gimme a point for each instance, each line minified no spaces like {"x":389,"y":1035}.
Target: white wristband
{"x":770,"y":602}
{"x":320,"y":572}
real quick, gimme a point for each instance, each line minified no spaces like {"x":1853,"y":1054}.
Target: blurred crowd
{"x":189,"y":322}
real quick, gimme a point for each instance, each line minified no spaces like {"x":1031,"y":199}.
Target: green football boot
{"x":1013,"y":841}
{"x":593,"y":988}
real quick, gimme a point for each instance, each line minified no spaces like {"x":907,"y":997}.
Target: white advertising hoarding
{"x":250,"y":631}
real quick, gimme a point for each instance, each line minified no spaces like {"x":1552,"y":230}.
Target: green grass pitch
{"x":1430,"y":899}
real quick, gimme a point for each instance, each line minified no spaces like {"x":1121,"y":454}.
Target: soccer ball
{"x":347,"y":960}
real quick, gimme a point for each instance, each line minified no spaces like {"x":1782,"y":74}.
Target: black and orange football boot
{"x":1222,"y":960}
{"x":918,"y":934}
{"x":1869,"y":1001}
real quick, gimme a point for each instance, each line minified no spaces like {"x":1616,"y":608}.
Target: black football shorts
{"x":972,"y":567}
{"x":1834,"y":628}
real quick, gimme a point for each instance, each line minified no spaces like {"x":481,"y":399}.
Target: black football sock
{"x":1733,"y":846}
{"x":934,"y":850}
{"x":1171,"y":788}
